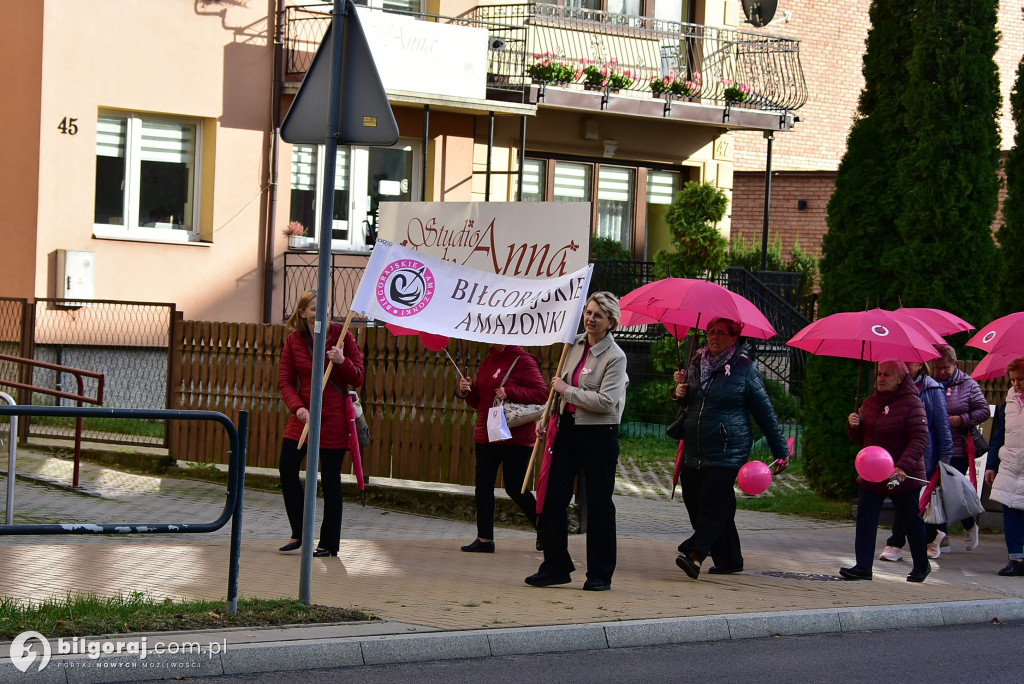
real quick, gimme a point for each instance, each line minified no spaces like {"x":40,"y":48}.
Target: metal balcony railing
{"x":768,"y":67}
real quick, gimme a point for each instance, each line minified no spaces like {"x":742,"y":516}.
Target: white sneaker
{"x":971,"y":538}
{"x":891,"y":553}
{"x":933,"y":548}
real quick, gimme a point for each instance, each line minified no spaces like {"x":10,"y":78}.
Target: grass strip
{"x":88,"y":614}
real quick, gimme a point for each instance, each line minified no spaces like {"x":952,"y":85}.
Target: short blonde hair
{"x":610,"y":304}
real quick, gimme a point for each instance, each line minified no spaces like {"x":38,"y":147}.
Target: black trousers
{"x":711,"y":504}
{"x":869,"y":505}
{"x":594,"y":450}
{"x":513,"y":459}
{"x":294,"y":493}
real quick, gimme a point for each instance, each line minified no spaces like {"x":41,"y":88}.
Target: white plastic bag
{"x":497,"y":427}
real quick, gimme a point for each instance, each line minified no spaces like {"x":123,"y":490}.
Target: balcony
{"x":768,"y":66}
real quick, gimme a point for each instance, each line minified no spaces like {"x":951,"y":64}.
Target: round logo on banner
{"x":880,"y":330}
{"x":405,"y":287}
{"x":989,"y":337}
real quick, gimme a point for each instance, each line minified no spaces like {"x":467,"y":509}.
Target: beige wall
{"x":209,"y":62}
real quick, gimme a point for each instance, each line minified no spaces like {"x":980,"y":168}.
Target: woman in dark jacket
{"x":893,"y":418}
{"x":524,"y":385}
{"x":723,"y":388}
{"x":295,"y":383}
{"x":967,"y":407}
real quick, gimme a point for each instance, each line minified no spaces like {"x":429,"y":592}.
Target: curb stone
{"x":289,"y":654}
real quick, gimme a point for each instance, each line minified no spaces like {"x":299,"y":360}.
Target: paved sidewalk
{"x":408,"y":570}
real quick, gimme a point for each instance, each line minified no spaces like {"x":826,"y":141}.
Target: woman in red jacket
{"x":525,"y":385}
{"x":295,"y":382}
{"x":893,"y":418}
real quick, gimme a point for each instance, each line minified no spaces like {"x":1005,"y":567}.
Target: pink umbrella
{"x":942,"y":322}
{"x":993,"y":366}
{"x":873,"y":335}
{"x":353,"y":445}
{"x":429,"y":340}
{"x":545,"y":463}
{"x":1002,"y":336}
{"x":691,"y":303}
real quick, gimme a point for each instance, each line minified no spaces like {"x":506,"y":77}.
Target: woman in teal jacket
{"x":723,"y":389}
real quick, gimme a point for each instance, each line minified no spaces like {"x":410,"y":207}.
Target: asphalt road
{"x":978,"y":653}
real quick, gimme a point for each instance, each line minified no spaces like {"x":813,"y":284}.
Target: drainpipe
{"x":490,"y":149}
{"x":426,"y":148}
{"x":275,"y":108}
{"x":770,"y":136}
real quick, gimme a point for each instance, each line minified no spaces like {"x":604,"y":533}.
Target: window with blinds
{"x":572,"y":182}
{"x":533,"y":180}
{"x":146,"y":180}
{"x":615,"y":203}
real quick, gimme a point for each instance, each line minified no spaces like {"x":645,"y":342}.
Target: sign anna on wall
{"x":520,"y":239}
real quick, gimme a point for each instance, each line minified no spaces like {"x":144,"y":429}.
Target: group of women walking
{"x":919,"y":420}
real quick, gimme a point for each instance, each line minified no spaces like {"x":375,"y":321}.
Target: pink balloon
{"x":754,"y":477}
{"x":874,"y":464}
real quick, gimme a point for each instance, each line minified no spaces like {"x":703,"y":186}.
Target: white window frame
{"x":131,"y":229}
{"x":358,"y":194}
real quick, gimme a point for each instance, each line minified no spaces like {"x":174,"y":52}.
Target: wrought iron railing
{"x":300,"y":275}
{"x":767,"y":66}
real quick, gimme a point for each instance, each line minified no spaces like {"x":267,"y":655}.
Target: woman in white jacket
{"x":1004,"y":471}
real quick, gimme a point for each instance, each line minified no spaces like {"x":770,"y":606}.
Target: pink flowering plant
{"x":294,"y":229}
{"x":609,"y":74}
{"x":550,"y":68}
{"x":735,"y":92}
{"x":675,"y":85}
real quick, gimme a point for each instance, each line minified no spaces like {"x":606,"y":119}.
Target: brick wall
{"x":786,"y":220}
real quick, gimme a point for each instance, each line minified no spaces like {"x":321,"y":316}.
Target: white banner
{"x":432,"y":295}
{"x":521,"y":239}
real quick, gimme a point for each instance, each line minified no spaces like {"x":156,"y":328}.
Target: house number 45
{"x":67,"y":125}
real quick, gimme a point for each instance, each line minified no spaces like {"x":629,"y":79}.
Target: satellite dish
{"x":759,"y":12}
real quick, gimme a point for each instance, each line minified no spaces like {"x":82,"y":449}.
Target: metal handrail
{"x":237,"y":438}
{"x":78,"y":398}
{"x":12,"y":457}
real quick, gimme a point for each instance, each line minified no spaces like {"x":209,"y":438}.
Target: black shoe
{"x":854,"y":573}
{"x":689,"y":566}
{"x":722,"y":570}
{"x":596,"y":585}
{"x":917,"y":575}
{"x":479,"y":547}
{"x":1014,"y":568}
{"x":324,"y":553}
{"x":291,"y":546}
{"x":546,"y":579}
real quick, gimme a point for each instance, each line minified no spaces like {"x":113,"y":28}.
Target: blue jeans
{"x":1013,"y":530}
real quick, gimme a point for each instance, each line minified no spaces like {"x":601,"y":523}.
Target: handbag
{"x":517,"y":413}
{"x":497,"y":427}
{"x":980,"y":443}
{"x":676,"y":429}
{"x":934,"y":512}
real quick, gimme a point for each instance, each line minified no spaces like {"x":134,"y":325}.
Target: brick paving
{"x":408,"y":568}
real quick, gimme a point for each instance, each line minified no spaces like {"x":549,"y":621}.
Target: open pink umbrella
{"x":993,"y":366}
{"x":942,"y":322}
{"x":1002,"y":336}
{"x":429,"y":340}
{"x":873,"y":335}
{"x":690,"y":303}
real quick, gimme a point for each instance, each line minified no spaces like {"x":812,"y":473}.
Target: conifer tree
{"x":949,"y":175}
{"x":861,"y":221}
{"x":1010,"y":254}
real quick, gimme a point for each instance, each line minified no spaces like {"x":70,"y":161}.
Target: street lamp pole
{"x":770,"y":136}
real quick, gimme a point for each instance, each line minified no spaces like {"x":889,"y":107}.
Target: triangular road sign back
{"x":366,"y":115}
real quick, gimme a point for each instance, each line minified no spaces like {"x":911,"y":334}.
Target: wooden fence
{"x":419,"y":429}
